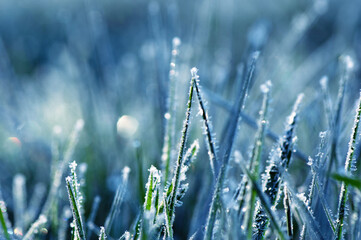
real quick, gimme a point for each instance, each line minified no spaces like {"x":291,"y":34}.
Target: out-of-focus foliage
{"x":123,"y":67}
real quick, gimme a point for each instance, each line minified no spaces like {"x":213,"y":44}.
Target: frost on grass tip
{"x":194,"y":72}
{"x":176,"y":42}
{"x":265,"y":88}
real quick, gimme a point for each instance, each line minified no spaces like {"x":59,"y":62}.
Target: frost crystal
{"x":324,"y":82}
{"x":194,"y":72}
{"x":265,"y":88}
{"x":176,"y":42}
{"x":349,"y":64}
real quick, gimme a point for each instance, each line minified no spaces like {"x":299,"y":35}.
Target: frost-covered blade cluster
{"x":279,"y":159}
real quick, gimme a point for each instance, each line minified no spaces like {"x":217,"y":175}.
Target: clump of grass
{"x":265,"y":203}
{"x":231,"y":134}
{"x":282,"y":203}
{"x":280,"y":157}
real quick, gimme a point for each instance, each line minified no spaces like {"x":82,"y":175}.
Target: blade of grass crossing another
{"x":230,"y":138}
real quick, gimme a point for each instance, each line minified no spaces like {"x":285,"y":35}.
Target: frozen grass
{"x":161,"y":152}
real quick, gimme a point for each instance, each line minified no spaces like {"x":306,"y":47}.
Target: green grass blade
{"x":3,"y":220}
{"x":348,"y":164}
{"x":256,"y":153}
{"x":74,"y":204}
{"x":102,"y":235}
{"x":347,"y":179}
{"x":179,"y":163}
{"x":19,"y":196}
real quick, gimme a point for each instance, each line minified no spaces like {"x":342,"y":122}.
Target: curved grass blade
{"x":35,"y":203}
{"x":346,"y":178}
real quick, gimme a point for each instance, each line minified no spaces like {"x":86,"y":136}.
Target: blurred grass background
{"x":100,"y":60}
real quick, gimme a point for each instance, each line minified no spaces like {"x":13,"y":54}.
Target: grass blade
{"x":93,"y":213}
{"x":68,"y":154}
{"x":221,"y":102}
{"x":347,"y":66}
{"x":211,"y":144}
{"x":4,"y":220}
{"x":170,"y":115}
{"x":102,"y":235}
{"x":348,"y":164}
{"x":35,"y":227}
{"x":118,"y":198}
{"x":19,"y":193}
{"x":74,"y":204}
{"x":179,"y":163}
{"x":287,"y":206}
{"x":257,"y":152}
{"x":350,"y":180}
